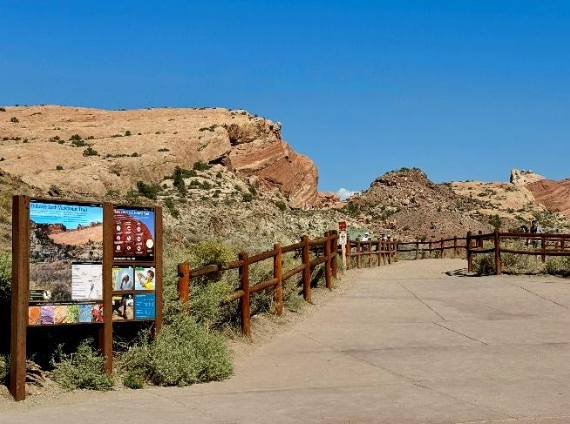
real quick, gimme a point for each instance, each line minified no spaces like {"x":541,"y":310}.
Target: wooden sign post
{"x":82,"y":263}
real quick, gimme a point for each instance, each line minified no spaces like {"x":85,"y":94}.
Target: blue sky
{"x":461,"y":89}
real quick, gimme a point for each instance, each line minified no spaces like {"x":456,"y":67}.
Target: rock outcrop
{"x":555,"y":195}
{"x":524,"y":177}
{"x":115,"y":149}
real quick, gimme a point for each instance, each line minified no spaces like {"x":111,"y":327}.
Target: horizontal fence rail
{"x":537,"y":244}
{"x":357,"y":254}
{"x":325,"y":250}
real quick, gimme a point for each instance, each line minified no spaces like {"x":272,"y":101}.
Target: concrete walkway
{"x":403,"y":344}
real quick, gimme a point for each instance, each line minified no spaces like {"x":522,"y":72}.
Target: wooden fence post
{"x":543,"y":240}
{"x":334,"y":246}
{"x":378,"y":253}
{"x":347,"y":252}
{"x":307,"y":270}
{"x":184,"y":285}
{"x":417,"y":250}
{"x":244,"y":300}
{"x":278,"y":273}
{"x":430,"y":249}
{"x":469,"y":253}
{"x":328,"y":268}
{"x":454,"y":247}
{"x":389,"y":250}
{"x":498,"y":264}
{"x":20,"y":295}
{"x":358,"y":253}
{"x":441,"y":249}
{"x":480,"y":244}
{"x":369,"y":253}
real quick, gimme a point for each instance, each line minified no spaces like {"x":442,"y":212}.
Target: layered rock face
{"x":555,"y":195}
{"x":128,"y":146}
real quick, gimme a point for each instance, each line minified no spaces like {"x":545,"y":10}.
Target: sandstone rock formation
{"x":147,"y":144}
{"x":524,"y":177}
{"x":555,"y":195}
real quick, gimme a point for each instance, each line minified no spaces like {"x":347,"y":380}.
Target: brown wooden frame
{"x":20,"y":284}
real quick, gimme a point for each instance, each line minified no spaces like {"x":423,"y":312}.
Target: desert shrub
{"x":558,"y":266}
{"x":210,"y":252}
{"x":281,"y":205}
{"x":90,"y":152}
{"x":206,"y":185}
{"x":496,"y":221}
{"x":219,"y":174}
{"x":183,"y":353}
{"x":169,"y":203}
{"x":484,"y":264}
{"x":3,"y":368}
{"x":162,"y":149}
{"x":2,"y":109}
{"x":14,"y":120}
{"x":128,"y":133}
{"x":200,"y":166}
{"x":77,"y":141}
{"x":59,"y":168}
{"x":81,"y":370}
{"x":150,"y":191}
{"x":247,"y":197}
{"x":178,"y":182}
{"x":134,"y":379}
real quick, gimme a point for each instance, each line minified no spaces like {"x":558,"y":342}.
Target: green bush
{"x":4,"y":368}
{"x":134,"y":379}
{"x":59,"y":168}
{"x":128,"y":133}
{"x":150,"y":191}
{"x":247,"y":197}
{"x":281,"y":205}
{"x":90,"y":152}
{"x":81,"y":370}
{"x":5,"y":275}
{"x":14,"y":120}
{"x":496,"y":221}
{"x":484,"y":264}
{"x":558,"y":266}
{"x":169,"y":203}
{"x":200,"y":166}
{"x":210,"y":252}
{"x":183,"y":353}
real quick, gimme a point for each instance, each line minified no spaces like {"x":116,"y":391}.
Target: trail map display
{"x":65,"y":255}
{"x":133,"y":233}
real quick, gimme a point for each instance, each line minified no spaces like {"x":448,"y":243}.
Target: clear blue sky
{"x":462,"y":89}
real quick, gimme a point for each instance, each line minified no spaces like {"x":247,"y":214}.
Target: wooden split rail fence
{"x":438,"y":246}
{"x":325,"y":250}
{"x":542,"y":245}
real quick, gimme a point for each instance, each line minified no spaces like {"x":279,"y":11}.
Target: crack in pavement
{"x":542,"y":297}
{"x":461,"y":334}
{"x":424,"y":303}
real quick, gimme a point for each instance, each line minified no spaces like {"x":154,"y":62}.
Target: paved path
{"x":403,"y":344}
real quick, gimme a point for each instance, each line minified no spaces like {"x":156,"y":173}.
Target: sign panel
{"x":133,"y":233}
{"x":65,"y":254}
{"x":145,"y":306}
{"x":342,"y":238}
{"x":342,"y":225}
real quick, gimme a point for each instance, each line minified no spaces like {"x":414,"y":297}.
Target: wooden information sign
{"x":82,"y":263}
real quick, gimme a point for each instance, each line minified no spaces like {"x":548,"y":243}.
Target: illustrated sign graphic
{"x":133,"y":233}
{"x":65,"y":254}
{"x":342,"y":225}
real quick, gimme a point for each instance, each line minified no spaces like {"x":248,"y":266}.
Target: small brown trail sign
{"x":82,"y":263}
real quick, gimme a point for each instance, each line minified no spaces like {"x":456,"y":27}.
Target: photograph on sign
{"x":123,"y":307}
{"x":144,"y":278}
{"x":133,"y":233}
{"x":66,"y":242}
{"x":123,"y":278}
{"x":145,"y":306}
{"x":72,"y":313}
